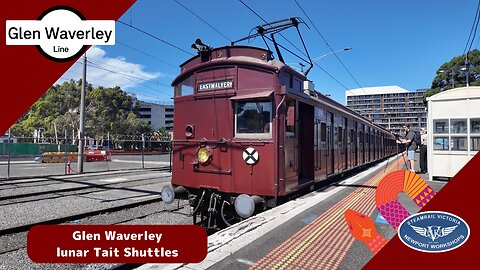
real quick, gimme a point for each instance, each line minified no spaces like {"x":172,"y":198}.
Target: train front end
{"x":224,"y":135}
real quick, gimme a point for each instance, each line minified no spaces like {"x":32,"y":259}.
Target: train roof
{"x":258,"y":57}
{"x":239,"y":53}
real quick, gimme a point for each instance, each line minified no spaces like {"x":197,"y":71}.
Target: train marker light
{"x":204,"y":154}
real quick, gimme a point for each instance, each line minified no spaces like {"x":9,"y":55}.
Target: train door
{"x":355,"y":143}
{"x":367,"y":144}
{"x":320,"y":144}
{"x":329,"y":153}
{"x":362,"y":143}
{"x":374,"y":146}
{"x":345,"y":144}
{"x":306,"y":140}
{"x":290,"y":146}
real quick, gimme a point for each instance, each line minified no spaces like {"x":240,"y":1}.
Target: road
{"x":28,"y":167}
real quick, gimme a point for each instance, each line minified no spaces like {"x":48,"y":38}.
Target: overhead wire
{"x":127,"y":76}
{"x":473,"y":30}
{"x":155,"y":37}
{"x":140,"y":91}
{"x":316,"y":64}
{"x":144,"y":53}
{"x":204,"y":21}
{"x":328,"y":45}
{"x":261,"y":18}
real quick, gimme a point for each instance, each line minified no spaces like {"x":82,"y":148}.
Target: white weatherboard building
{"x":453,"y":130}
{"x":389,"y":106}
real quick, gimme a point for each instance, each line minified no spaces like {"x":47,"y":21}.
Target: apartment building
{"x":389,"y":106}
{"x":157,"y":115}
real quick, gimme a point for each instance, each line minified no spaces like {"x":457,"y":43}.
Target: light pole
{"x":327,"y":54}
{"x":452,"y":72}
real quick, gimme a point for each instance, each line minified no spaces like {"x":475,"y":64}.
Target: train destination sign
{"x":216,"y":85}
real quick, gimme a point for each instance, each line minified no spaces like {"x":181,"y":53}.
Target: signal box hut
{"x":453,"y":130}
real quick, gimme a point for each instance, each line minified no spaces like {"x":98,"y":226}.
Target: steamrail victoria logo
{"x":60,"y":33}
{"x":434,"y":231}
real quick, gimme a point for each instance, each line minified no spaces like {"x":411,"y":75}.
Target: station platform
{"x":307,"y":233}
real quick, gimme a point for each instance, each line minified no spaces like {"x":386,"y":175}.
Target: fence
{"x":33,"y":157}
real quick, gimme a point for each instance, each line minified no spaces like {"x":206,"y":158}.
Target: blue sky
{"x":394,"y":42}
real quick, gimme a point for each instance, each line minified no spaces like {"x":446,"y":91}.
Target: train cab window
{"x":290,"y":119}
{"x":185,"y":88}
{"x":253,"y":118}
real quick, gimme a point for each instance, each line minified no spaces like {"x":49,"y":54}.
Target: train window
{"x":440,"y":143}
{"x":340,"y":135}
{"x":253,"y":117}
{"x":297,"y":84}
{"x":474,"y":125}
{"x":285,"y":79}
{"x":323,"y":131}
{"x":290,"y":119}
{"x":440,"y":126}
{"x":185,"y":88}
{"x":459,"y":144}
{"x":475,"y":143}
{"x":458,"y":125}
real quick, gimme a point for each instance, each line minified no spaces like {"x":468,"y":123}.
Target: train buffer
{"x":307,"y":233}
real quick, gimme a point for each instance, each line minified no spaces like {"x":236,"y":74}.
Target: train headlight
{"x":204,"y":154}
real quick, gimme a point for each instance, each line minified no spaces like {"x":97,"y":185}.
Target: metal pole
{"x":453,"y":79}
{"x":66,"y":154}
{"x":8,"y":159}
{"x":143,"y":150}
{"x":82,"y":117}
{"x":467,"y":63}
{"x":170,"y":154}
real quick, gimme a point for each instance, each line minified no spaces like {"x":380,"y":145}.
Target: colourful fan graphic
{"x":363,"y":228}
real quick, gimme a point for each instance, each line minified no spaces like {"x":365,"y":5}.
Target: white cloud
{"x":109,"y":72}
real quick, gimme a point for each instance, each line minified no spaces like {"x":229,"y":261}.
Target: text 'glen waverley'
{"x":59,"y":33}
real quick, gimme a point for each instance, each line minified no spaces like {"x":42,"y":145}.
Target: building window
{"x":168,"y":122}
{"x":440,"y":126}
{"x":168,"y":109}
{"x":459,"y":144}
{"x":168,"y":115}
{"x":458,"y":125}
{"x":145,"y":116}
{"x":475,"y":125}
{"x":253,"y":117}
{"x":145,"y":109}
{"x":475,"y":143}
{"x":440,"y":143}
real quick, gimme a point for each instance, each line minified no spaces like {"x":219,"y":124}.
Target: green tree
{"x":108,"y":110}
{"x":453,"y":72}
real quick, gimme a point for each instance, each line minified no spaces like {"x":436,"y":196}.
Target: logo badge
{"x":61,"y":33}
{"x":434,"y":231}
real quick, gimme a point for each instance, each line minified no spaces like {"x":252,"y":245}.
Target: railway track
{"x":86,"y":188}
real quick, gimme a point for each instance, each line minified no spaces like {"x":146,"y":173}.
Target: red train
{"x":250,"y":131}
